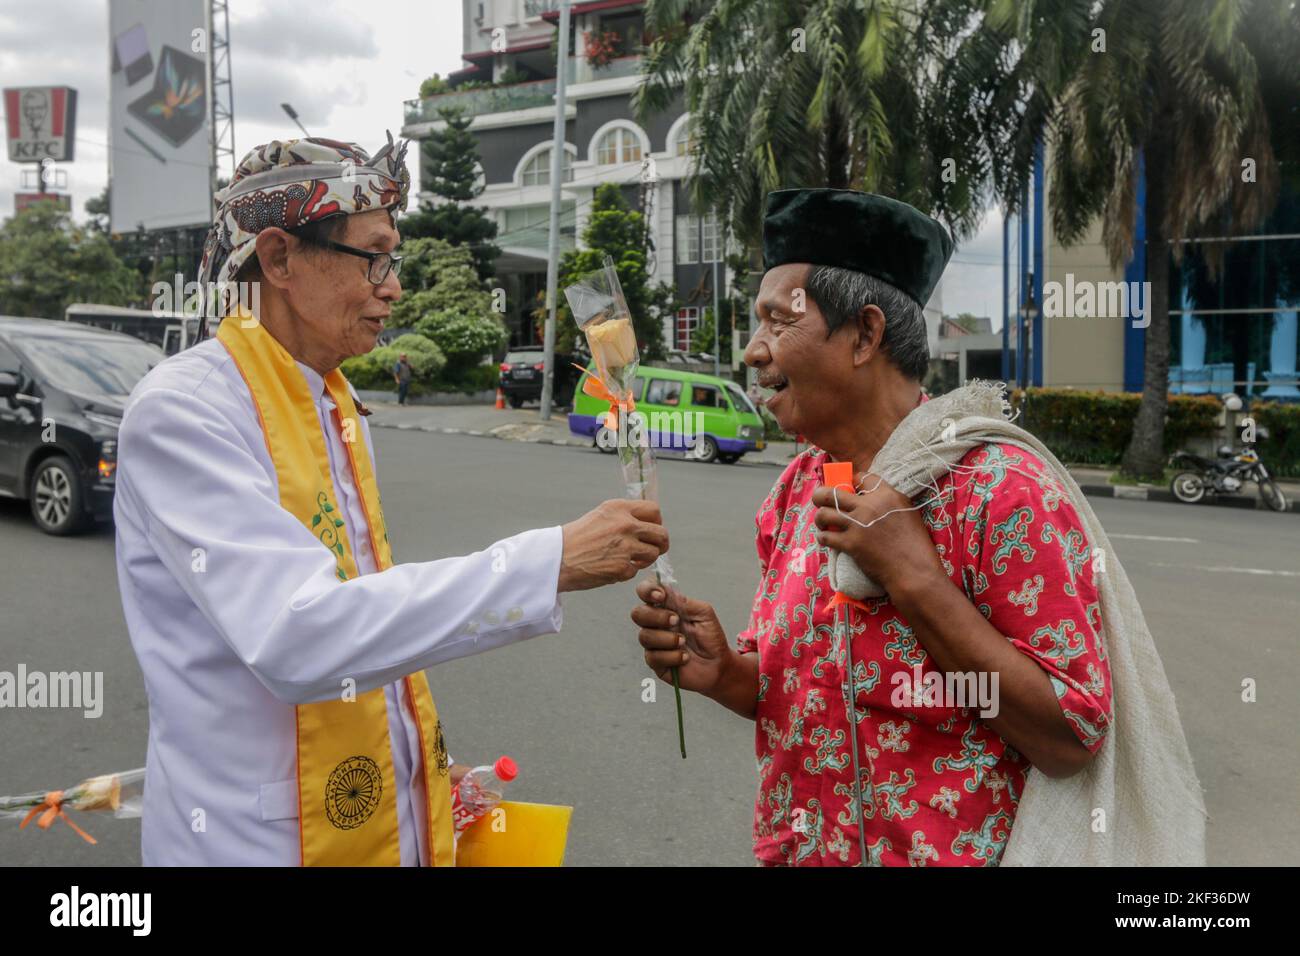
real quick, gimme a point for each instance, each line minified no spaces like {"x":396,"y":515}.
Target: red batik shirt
{"x":939,"y":787}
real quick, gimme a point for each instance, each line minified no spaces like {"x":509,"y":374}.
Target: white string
{"x":932,"y":485}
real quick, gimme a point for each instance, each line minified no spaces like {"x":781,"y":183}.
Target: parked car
{"x":521,"y":376}
{"x":63,"y":389}
{"x":707,"y":417}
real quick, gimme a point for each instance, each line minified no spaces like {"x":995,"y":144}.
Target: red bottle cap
{"x":505,"y":769}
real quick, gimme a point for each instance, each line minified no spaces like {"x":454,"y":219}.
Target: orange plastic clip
{"x":838,"y":474}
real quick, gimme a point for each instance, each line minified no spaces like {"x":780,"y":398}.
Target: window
{"x":687,"y":321}
{"x":688,"y":239}
{"x":537,"y":171}
{"x":706,"y":396}
{"x":618,"y":146}
{"x":8,"y":360}
{"x":740,"y":400}
{"x":664,"y":392}
{"x":685,"y":142}
{"x":699,"y":239}
{"x":530,"y":226}
{"x":710,"y":245}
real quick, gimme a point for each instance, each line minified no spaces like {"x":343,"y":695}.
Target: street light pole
{"x":717,"y":361}
{"x":553,"y":240}
{"x":294,"y":116}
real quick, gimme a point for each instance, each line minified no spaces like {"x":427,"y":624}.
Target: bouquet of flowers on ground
{"x":120,"y":793}
{"x":600,"y":309}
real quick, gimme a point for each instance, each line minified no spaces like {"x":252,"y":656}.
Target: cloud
{"x":302,"y":33}
{"x":345,"y":67}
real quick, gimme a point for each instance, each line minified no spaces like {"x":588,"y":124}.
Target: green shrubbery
{"x":1093,"y":428}
{"x":374,"y":370}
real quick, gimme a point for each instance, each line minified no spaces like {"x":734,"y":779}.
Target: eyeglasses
{"x":381,"y":263}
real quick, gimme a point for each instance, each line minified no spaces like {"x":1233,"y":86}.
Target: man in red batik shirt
{"x":982,"y":663}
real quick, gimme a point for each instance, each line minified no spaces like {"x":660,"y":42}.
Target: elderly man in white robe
{"x":282,"y":649}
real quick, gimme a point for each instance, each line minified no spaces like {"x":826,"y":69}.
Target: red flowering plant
{"x":601,"y":48}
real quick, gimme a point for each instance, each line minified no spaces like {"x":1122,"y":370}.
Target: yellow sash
{"x":346,"y":800}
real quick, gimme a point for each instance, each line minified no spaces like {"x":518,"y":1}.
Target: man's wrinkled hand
{"x":611,"y":543}
{"x":677,"y":631}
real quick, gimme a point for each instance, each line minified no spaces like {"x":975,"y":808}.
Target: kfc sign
{"x":41,"y":122}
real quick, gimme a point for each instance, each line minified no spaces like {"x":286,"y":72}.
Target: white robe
{"x":236,"y":615}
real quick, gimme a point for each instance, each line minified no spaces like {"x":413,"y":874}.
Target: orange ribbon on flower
{"x":595,"y":387}
{"x":52,"y":806}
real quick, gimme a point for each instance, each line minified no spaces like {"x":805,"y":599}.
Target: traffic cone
{"x":501,"y":398}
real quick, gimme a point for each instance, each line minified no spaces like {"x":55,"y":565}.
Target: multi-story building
{"x":1234,"y":330}
{"x":508,"y":88}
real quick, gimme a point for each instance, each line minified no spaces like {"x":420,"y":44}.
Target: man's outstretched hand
{"x":683,"y":633}
{"x":611,"y":543}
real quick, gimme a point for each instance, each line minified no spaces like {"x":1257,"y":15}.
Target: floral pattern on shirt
{"x":939,"y":786}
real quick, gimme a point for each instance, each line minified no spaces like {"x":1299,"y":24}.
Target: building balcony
{"x":495,"y":99}
{"x":517,"y":96}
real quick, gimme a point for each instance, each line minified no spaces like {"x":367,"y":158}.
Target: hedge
{"x":1281,"y":449}
{"x":1093,"y":428}
{"x":374,"y":370}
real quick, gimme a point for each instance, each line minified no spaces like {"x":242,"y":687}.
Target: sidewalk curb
{"x":1130,"y":492}
{"x":1139,"y":493}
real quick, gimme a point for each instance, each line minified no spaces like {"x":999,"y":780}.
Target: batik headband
{"x":291,"y":183}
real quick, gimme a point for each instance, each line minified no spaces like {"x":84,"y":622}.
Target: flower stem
{"x":677,"y":686}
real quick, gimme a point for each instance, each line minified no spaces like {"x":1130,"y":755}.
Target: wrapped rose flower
{"x":599,"y":307}
{"x":613,"y":345}
{"x":98,"y":793}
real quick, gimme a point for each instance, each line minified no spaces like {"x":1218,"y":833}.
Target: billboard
{"x":160,"y":127}
{"x":27,"y":200}
{"x":42,"y":123}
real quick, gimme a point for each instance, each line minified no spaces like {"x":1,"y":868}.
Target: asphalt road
{"x":1220,"y":589}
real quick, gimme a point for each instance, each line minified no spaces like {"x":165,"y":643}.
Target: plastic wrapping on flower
{"x":600,"y":309}
{"x":121,"y":794}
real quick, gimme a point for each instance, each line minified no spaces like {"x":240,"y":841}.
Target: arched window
{"x":537,"y":171}
{"x":680,"y":142}
{"x":620,"y":145}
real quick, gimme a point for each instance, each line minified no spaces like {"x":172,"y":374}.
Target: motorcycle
{"x":1223,"y":476}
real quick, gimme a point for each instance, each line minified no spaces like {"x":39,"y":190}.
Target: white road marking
{"x":1200,"y":567}
{"x":1155,"y":537}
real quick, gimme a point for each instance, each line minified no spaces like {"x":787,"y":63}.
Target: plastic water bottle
{"x":479,"y":791}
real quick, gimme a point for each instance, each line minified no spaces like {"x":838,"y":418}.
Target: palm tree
{"x":1190,"y":90}
{"x":831,"y":93}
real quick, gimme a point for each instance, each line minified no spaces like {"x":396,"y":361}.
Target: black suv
{"x":521,"y":376}
{"x":63,"y":388}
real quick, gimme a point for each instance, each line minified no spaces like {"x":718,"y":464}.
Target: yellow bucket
{"x":525,"y":834}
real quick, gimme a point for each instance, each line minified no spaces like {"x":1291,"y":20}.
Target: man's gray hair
{"x":841,"y":295}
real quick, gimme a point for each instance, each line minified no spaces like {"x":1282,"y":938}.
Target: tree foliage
{"x":47,"y":263}
{"x":450,"y":172}
{"x":613,"y":229}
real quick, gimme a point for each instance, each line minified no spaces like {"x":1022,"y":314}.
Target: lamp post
{"x":1024,"y":320}
{"x":294,"y":116}
{"x":553,"y":235}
